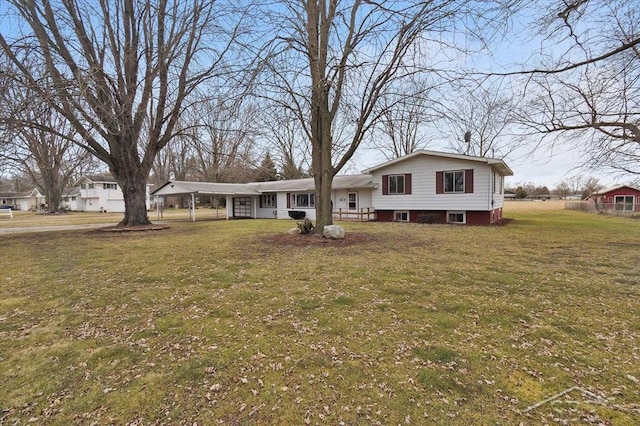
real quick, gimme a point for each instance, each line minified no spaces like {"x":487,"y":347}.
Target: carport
{"x":231,"y":191}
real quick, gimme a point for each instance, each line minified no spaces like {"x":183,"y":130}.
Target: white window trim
{"x":463,"y":213}
{"x":269,"y":200}
{"x":294,"y":199}
{"x":396,"y":212}
{"x":444,"y":182}
{"x":349,"y":201}
{"x":625,"y":206}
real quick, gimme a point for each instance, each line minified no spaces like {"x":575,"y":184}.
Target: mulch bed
{"x":314,"y":240}
{"x":118,"y":228}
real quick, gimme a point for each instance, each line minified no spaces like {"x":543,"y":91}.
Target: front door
{"x":352,"y":201}
{"x":242,"y":207}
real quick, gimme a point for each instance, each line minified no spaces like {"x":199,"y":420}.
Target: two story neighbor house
{"x":452,"y":188}
{"x":97,"y":193}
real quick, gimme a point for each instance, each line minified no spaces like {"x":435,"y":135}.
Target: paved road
{"x":28,"y":229}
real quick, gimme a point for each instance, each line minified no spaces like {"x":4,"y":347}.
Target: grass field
{"x":30,"y":219}
{"x":227,"y":322}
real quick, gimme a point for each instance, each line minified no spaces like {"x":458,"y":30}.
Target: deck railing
{"x":362,"y":215}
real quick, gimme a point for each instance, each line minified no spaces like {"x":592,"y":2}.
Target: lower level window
{"x":401,"y":216}
{"x":456,"y":217}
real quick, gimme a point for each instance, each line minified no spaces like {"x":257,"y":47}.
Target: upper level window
{"x":396,"y":184}
{"x":110,"y":186}
{"x":90,"y":186}
{"x":454,"y":181}
{"x":83,"y":186}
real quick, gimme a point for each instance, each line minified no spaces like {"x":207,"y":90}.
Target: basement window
{"x":456,"y":217}
{"x":401,"y":216}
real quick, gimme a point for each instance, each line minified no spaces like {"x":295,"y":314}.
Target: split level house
{"x":421,"y":186}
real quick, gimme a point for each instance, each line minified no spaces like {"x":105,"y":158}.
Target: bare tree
{"x":335,"y":59}
{"x":117,"y":66}
{"x":222,"y":138}
{"x":589,"y":95}
{"x":406,"y":112}
{"x":50,"y":159}
{"x":477,"y":121}
{"x":285,"y":138}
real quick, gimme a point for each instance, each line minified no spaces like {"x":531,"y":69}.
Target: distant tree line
{"x":579,"y":185}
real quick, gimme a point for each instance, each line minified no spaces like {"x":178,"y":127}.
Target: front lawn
{"x":223,"y":322}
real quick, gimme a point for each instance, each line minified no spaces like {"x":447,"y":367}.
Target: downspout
{"x":492,"y":178}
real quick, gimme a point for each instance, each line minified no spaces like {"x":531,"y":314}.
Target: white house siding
{"x":340,"y":200}
{"x":98,"y":198}
{"x":498,"y":194}
{"x":423,"y":186}
{"x":91,"y":204}
{"x":71,"y":204}
{"x":266,"y":212}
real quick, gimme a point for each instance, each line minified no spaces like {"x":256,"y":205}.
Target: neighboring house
{"x":69,"y":200}
{"x":30,"y":200}
{"x":619,"y":199}
{"x":98,"y":193}
{"x":424,"y":185}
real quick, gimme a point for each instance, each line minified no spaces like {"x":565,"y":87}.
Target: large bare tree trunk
{"x":122,"y":72}
{"x":340,"y":59}
{"x":134,"y":189}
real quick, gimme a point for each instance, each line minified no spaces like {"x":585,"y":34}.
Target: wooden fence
{"x":362,"y":215}
{"x":618,"y":209}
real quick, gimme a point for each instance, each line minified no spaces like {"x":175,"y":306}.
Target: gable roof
{"x":34,"y":193}
{"x":613,"y":188}
{"x":500,"y":165}
{"x":98,"y":178}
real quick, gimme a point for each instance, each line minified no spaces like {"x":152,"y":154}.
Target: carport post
{"x":193,"y":207}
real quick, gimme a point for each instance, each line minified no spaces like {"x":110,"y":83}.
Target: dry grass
{"x":30,"y":219}
{"x":530,"y":206}
{"x":220,"y":322}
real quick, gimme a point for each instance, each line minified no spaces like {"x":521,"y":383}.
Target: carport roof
{"x":257,"y":188}
{"x":174,"y":187}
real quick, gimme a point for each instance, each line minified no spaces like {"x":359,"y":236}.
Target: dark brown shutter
{"x":468,"y":181}
{"x":260,"y":200}
{"x":439,"y":182}
{"x":407,"y":183}
{"x":288,"y":200}
{"x":385,"y":184}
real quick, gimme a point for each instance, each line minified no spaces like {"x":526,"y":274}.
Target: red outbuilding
{"x":621,"y":199}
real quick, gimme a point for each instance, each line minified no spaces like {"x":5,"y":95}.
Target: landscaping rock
{"x":293,"y":231}
{"x":335,"y":232}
